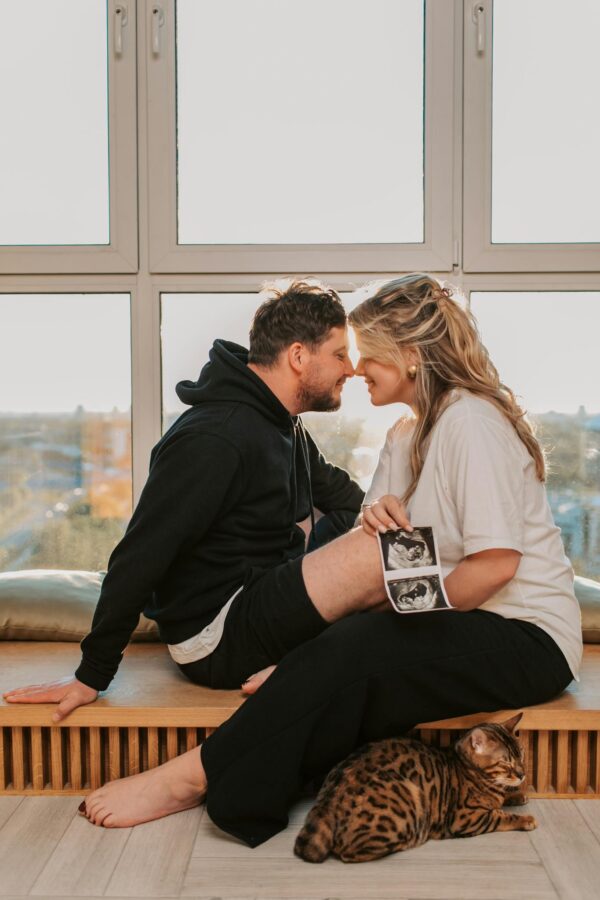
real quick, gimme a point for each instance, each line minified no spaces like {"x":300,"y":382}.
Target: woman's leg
{"x":367,"y":677}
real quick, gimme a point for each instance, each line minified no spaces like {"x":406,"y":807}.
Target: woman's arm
{"x":479,"y":576}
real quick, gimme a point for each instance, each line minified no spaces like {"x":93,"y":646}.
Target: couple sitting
{"x":214,"y":554}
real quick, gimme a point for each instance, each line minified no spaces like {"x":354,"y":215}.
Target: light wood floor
{"x":47,"y":850}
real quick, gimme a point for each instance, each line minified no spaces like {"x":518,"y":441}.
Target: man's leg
{"x":345,"y":576}
{"x":277,"y":610}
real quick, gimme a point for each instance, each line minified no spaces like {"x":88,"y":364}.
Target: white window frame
{"x":479,"y":253}
{"x":437,"y":252}
{"x":145,"y":344}
{"x":121,"y":254}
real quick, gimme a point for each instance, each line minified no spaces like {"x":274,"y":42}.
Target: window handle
{"x":158,"y":20}
{"x":478,"y":17}
{"x":120,"y":23}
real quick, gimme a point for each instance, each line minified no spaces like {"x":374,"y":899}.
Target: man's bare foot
{"x":178,"y":784}
{"x":254,"y":682}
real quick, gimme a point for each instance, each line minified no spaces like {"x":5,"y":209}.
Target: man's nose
{"x":349,"y":368}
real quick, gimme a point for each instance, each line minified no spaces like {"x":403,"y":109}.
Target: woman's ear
{"x":412,"y":356}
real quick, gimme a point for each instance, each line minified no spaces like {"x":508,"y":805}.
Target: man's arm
{"x":189,"y":481}
{"x":334,"y":491}
{"x":192,"y":479}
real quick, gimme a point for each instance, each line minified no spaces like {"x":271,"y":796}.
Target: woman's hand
{"x":384,"y":514}
{"x":68,"y":692}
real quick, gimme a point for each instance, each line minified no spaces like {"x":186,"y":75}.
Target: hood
{"x":226,"y":377}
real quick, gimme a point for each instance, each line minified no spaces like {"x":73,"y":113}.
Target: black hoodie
{"x":227,"y":484}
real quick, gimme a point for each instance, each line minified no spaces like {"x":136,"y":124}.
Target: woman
{"x":467,"y":464}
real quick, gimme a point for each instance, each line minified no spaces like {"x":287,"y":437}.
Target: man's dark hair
{"x":304,"y":311}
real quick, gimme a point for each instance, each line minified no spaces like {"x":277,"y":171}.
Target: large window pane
{"x":300,"y":122}
{"x":54,"y":132}
{"x":545,"y":346}
{"x":546,"y":127}
{"x":65,"y":429}
{"x":350,"y":437}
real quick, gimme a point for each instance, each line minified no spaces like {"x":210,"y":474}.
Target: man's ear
{"x":296,"y":357}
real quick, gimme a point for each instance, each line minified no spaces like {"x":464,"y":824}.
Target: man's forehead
{"x":337,"y":339}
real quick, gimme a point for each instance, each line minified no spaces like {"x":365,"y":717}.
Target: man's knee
{"x":345,"y":576}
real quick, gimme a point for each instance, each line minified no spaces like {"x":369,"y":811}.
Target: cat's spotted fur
{"x":397,"y":793}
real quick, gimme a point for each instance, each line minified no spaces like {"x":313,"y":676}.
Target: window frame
{"x":479,"y":253}
{"x":121,"y":254}
{"x":436,"y":252}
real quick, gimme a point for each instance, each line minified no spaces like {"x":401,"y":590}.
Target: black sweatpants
{"x":366,"y":677}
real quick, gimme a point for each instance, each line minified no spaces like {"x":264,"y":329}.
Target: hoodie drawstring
{"x":306,"y":458}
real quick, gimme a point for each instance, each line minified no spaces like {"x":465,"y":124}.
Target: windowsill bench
{"x":151,"y":713}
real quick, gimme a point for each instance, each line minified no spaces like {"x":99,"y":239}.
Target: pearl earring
{"x":412,"y":372}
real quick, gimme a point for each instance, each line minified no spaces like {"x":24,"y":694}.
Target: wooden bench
{"x":152,"y":712}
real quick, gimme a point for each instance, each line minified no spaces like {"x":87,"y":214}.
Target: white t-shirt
{"x":479,"y":491}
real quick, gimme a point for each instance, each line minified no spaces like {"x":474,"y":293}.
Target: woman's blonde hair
{"x":416,"y":312}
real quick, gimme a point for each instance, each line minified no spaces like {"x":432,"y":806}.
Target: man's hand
{"x":384,"y":514}
{"x":68,"y":692}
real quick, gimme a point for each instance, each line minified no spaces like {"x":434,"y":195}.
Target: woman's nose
{"x":359,"y":368}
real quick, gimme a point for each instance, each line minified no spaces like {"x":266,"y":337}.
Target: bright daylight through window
{"x":54,"y":133}
{"x":65,"y":429}
{"x":301,"y":125}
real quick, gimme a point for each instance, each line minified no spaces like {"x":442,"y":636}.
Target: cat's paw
{"x":516,"y":799}
{"x":528,"y":823}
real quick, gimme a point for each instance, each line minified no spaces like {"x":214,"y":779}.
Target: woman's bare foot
{"x":178,"y":784}
{"x":254,"y":682}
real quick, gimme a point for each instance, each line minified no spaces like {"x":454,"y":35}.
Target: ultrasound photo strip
{"x":409,"y":549}
{"x":411,"y":572}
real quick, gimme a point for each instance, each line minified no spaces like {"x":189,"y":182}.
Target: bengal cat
{"x":397,"y":793}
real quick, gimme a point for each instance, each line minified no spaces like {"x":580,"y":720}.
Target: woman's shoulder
{"x":463,"y":404}
{"x":401,"y":429}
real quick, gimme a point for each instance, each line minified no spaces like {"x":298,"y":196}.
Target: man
{"x":213,"y":551}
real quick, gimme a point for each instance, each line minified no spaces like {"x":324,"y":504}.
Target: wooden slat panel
{"x":18,"y":759}
{"x":528,"y":742}
{"x":172,"y":749}
{"x":191,"y":739}
{"x":95,"y":759}
{"x":543,"y":762}
{"x":114,"y":754}
{"x":152,"y":747}
{"x":582,"y":761}
{"x":75,"y":774}
{"x":133,"y":751}
{"x":2,"y":761}
{"x":562,"y":762}
{"x":37,"y":759}
{"x":56,"y":759}
{"x":445,"y":737}
{"x":210,"y":731}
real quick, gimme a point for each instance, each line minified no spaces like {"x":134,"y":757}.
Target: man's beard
{"x":314,"y":398}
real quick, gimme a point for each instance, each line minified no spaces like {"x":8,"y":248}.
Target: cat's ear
{"x":479,"y":740}
{"x":511,"y":724}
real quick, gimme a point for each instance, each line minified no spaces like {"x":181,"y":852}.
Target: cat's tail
{"x":315,"y":840}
